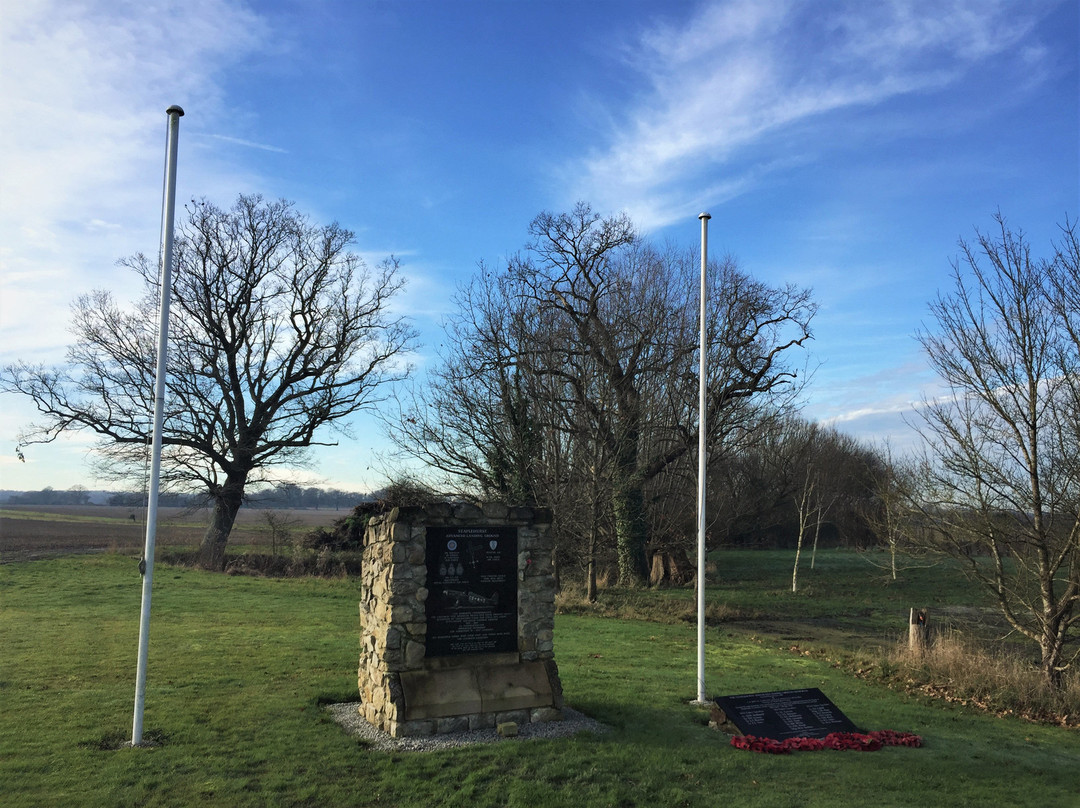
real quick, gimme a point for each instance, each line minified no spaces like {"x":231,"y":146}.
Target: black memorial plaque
{"x":472,"y":590}
{"x":783,"y":714}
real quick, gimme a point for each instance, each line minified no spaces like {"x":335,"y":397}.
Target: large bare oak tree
{"x":278,"y":334}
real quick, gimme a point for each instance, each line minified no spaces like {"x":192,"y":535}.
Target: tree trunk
{"x":798,"y":553}
{"x":227,"y":501}
{"x":594,"y":526}
{"x":802,"y":507}
{"x":1051,"y":658}
{"x":631,"y":534}
{"x":590,"y":586}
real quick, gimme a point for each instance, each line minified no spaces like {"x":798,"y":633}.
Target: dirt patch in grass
{"x":116,"y":740}
{"x":33,"y":532}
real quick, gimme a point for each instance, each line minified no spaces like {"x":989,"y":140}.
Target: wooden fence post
{"x":918,"y":631}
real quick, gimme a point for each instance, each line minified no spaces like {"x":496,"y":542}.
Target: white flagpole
{"x":702,"y":455}
{"x":168,"y":206}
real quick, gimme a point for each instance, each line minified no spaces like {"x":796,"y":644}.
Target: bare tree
{"x":278,"y":333}
{"x":631,"y":311}
{"x":807,"y":464}
{"x":280,"y":525}
{"x":473,"y":420}
{"x":891,"y":486}
{"x":1004,"y":491}
{"x":806,"y":494}
{"x":841,"y":463}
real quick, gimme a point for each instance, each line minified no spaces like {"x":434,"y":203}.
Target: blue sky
{"x":844,"y":146}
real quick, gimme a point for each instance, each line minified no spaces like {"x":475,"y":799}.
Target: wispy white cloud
{"x":84,"y":92}
{"x":249,"y":144}
{"x":739,"y":71}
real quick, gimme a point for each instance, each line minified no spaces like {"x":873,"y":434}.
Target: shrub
{"x":347,"y":533}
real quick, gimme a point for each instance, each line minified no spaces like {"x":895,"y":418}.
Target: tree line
{"x":283,"y":496}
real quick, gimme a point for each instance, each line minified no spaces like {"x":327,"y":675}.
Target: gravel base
{"x":348,"y":716}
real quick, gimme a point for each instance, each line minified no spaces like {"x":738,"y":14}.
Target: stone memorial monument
{"x":457,"y":619}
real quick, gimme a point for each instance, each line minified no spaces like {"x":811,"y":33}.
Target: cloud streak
{"x":249,"y":144}
{"x":740,"y":71}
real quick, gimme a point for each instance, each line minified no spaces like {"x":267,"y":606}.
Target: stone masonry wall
{"x":402,"y":690}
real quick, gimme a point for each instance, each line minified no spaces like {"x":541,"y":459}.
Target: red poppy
{"x":863,"y":742}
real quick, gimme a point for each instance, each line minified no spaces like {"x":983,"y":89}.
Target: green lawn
{"x":239,"y":669}
{"x":844,"y":602}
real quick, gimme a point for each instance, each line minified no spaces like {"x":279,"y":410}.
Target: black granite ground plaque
{"x":472,"y":590}
{"x":782,"y":714}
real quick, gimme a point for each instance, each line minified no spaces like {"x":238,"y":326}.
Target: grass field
{"x":845,"y":602}
{"x":240,"y":668}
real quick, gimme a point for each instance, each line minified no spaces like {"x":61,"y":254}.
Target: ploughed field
{"x":39,"y":531}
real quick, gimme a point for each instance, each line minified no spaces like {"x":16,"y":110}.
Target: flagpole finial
{"x":175,"y":108}
{"x":700,"y":215}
